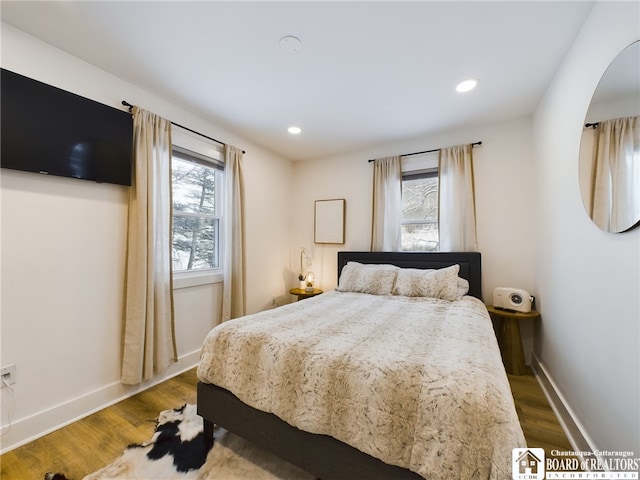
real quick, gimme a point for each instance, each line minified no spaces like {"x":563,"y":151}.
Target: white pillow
{"x":367,"y":278}
{"x":442,"y":283}
{"x":463,"y":288}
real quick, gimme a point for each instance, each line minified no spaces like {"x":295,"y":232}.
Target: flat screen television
{"x":48,"y":130}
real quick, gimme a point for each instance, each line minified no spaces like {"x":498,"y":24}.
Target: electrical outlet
{"x":8,"y":374}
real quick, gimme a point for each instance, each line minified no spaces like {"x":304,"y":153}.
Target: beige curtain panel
{"x":457,"y":215}
{"x":149,"y":341}
{"x":386,"y":228}
{"x":234,"y":294}
{"x":616,"y":174}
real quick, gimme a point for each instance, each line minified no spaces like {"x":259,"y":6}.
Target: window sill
{"x":195,"y":279}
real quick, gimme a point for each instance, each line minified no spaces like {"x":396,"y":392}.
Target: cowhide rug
{"x":176,"y":451}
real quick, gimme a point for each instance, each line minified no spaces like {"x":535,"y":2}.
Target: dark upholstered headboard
{"x":470,"y":263}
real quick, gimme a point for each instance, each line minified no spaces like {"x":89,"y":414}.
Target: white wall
{"x":268,"y":220}
{"x":588,"y":281}
{"x":63,"y":247}
{"x":504,"y":201}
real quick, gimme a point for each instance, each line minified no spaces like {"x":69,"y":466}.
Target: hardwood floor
{"x":95,"y":441}
{"x":538,"y":422}
{"x":91,"y":443}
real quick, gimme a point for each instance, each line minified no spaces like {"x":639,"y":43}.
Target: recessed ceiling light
{"x":294,"y":130}
{"x":290,"y":44}
{"x":466,"y":85}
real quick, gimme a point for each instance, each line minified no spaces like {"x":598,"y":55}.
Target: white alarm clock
{"x":515,"y":299}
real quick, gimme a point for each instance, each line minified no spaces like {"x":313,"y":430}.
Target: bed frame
{"x":322,"y":455}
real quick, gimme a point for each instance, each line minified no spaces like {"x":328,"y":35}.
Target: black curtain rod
{"x":127,"y":104}
{"x":427,"y":151}
{"x":594,"y":125}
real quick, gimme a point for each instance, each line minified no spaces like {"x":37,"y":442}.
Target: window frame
{"x":202,"y":276}
{"x":418,"y":174}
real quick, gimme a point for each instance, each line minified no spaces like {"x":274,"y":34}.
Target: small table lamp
{"x":309,"y":280}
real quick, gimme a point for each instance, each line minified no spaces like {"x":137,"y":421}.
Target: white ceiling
{"x":368,"y":73}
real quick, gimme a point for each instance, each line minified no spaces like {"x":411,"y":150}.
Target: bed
{"x":373,"y":380}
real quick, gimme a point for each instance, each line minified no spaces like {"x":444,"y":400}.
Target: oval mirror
{"x":609,"y":165}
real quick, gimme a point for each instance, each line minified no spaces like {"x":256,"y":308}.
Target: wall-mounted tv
{"x":47,"y":130}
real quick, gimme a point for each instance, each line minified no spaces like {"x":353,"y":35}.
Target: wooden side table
{"x":507,"y":328}
{"x":303,"y":293}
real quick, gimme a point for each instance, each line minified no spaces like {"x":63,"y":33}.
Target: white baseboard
{"x":573,"y":428}
{"x":39,"y":424}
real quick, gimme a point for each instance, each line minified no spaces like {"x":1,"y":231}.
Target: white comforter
{"x":415,"y":382}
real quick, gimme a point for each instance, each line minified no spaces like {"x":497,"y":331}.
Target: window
{"x":420,"y":210}
{"x":197,"y":190}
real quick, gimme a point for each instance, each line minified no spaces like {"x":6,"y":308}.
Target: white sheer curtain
{"x":149,"y":342}
{"x":616,"y":174}
{"x":457,"y":215}
{"x":387,"y":205}
{"x":234,"y":296}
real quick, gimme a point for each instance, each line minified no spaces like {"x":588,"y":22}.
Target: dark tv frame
{"x":47,"y":130}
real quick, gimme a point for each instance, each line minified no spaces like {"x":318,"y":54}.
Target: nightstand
{"x":507,"y":328}
{"x":303,"y":293}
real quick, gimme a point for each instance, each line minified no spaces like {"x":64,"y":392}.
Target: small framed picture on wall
{"x":329,"y":221}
